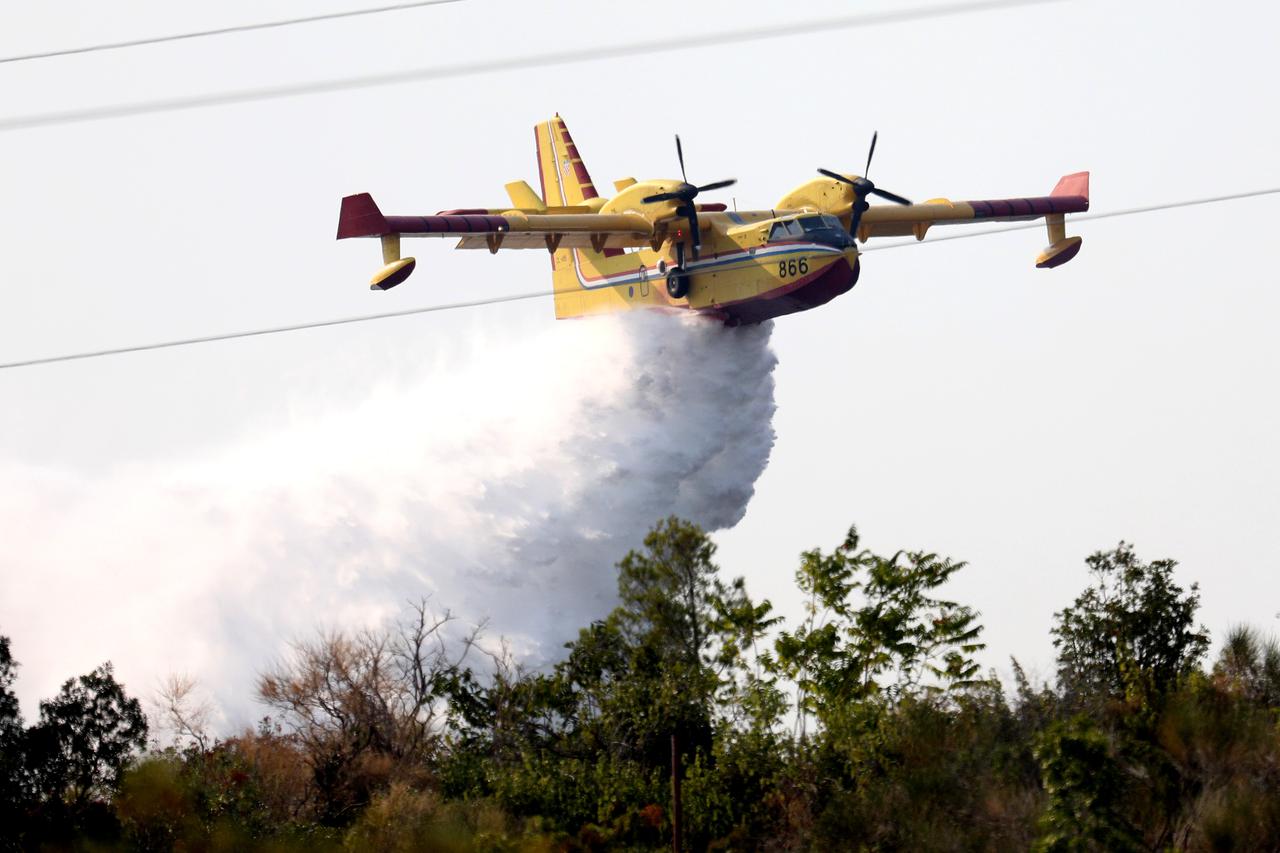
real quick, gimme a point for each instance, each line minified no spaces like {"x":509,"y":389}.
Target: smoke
{"x":507,"y":488}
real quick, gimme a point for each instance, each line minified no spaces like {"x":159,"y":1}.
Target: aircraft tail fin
{"x":565,"y":181}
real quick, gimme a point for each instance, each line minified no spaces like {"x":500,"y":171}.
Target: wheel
{"x":677,"y":283}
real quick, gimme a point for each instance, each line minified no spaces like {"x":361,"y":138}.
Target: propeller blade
{"x":718,"y":185}
{"x":680,"y":156}
{"x":890,"y":196}
{"x":855,"y":216}
{"x":874,"y":136}
{"x":834,"y":176}
{"x":690,"y":212}
{"x":662,"y":197}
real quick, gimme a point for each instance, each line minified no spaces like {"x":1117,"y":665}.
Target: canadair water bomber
{"x":656,"y":245}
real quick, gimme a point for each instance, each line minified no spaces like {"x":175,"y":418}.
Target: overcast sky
{"x":958,"y":400}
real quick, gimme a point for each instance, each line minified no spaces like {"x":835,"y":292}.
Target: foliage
{"x":368,"y":709}
{"x":418,"y":737}
{"x":874,"y":630}
{"x":1250,"y":665}
{"x":58,"y":777}
{"x":1085,"y":790}
{"x":11,"y":741}
{"x":1132,"y":635}
{"x":10,"y":713}
{"x":86,"y":735}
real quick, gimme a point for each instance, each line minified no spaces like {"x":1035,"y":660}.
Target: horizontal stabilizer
{"x":523,"y":197}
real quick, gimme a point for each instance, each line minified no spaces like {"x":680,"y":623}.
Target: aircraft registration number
{"x":793,"y":267}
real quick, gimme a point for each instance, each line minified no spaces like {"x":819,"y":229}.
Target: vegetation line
{"x":419,"y":736}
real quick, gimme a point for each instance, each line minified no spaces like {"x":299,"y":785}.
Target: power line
{"x":221,"y":31}
{"x":545,"y":293}
{"x":544,"y":60}
{"x":273,"y":330}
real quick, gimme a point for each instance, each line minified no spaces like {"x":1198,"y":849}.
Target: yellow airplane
{"x":653,"y":245}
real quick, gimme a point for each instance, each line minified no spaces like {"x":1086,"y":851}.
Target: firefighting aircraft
{"x":654,"y":245}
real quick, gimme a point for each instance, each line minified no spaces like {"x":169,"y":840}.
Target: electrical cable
{"x":489,"y":66}
{"x":220,"y":31}
{"x":545,"y":293}
{"x":274,"y":330}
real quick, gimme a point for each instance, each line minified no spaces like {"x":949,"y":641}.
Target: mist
{"x":506,"y":488}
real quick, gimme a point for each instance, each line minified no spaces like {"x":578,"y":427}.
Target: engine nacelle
{"x":630,"y":199}
{"x":823,"y":194}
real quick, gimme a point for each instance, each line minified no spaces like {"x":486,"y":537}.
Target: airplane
{"x":654,"y":245}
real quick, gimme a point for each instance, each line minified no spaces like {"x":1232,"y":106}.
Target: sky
{"x":958,"y":400}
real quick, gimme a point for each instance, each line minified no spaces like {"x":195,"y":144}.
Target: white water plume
{"x":506,"y":489}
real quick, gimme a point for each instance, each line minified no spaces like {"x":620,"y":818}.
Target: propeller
{"x":685,"y":194}
{"x":862,"y":187}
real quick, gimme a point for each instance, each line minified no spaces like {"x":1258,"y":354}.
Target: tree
{"x":1250,"y":665}
{"x":1085,"y":788}
{"x":11,"y":734}
{"x":874,"y":629}
{"x":590,"y":742}
{"x":666,"y":621}
{"x":1132,"y":635}
{"x":693,"y":635}
{"x":184,"y":712}
{"x":86,"y":736}
{"x":367,"y":708}
{"x":10,"y":714}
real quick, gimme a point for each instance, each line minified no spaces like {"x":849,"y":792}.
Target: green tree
{"x":875,"y":629}
{"x":86,"y":736}
{"x":1131,"y":635}
{"x":591,"y":741}
{"x":11,"y":736}
{"x":1086,"y":789}
{"x":676,"y":656}
{"x":667,"y":623}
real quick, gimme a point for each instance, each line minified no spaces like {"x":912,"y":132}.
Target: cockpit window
{"x":785,"y":230}
{"x":792,"y":228}
{"x":820,"y":223}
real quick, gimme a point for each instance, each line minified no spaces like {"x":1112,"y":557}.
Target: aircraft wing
{"x":1071,"y":195}
{"x":500,"y":229}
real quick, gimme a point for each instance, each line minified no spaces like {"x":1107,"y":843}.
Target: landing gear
{"x":677,"y":278}
{"x":677,"y":283}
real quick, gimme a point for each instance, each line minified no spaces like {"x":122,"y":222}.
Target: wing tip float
{"x":1061,"y":248}
{"x":360,"y":217}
